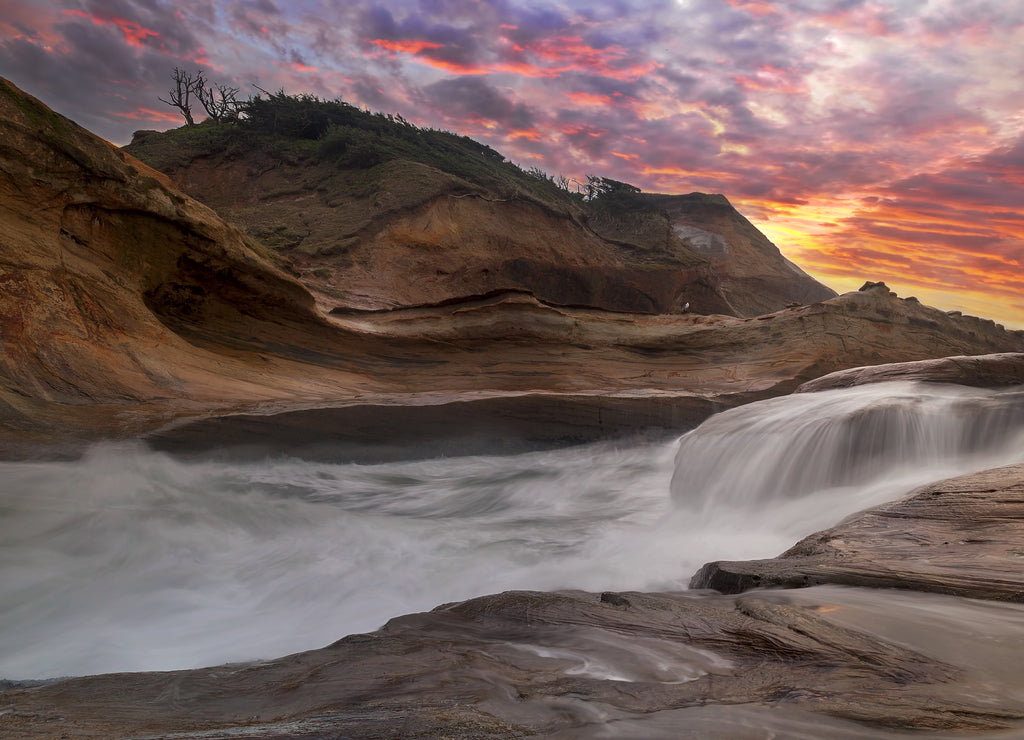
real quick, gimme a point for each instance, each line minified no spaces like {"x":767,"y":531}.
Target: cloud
{"x":473,"y":99}
{"x":959,"y":229}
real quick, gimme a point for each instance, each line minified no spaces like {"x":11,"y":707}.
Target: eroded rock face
{"x":127,"y":305}
{"x":754,"y":276}
{"x":961,"y":536}
{"x":355,"y":236}
{"x":102,"y":262}
{"x":470,"y":245}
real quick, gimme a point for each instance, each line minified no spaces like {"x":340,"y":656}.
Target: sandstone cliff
{"x":128,"y":305}
{"x":355,"y":231}
{"x":104,"y":266}
{"x":752,"y":273}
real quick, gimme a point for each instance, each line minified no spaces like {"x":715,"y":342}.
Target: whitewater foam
{"x":132,"y":560}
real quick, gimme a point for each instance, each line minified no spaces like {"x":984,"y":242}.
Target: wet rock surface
{"x":500,"y":425}
{"x":983,"y":371}
{"x":961,"y":536}
{"x":567,"y":664}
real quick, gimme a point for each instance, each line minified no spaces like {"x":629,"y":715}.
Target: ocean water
{"x":130,"y":559}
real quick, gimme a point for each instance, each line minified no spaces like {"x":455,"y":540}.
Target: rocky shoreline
{"x":961,"y":536}
{"x":131,"y":311}
{"x":568,"y":664}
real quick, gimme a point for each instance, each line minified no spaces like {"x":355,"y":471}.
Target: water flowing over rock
{"x":852,"y":439}
{"x":961,"y":536}
{"x":576,"y":664}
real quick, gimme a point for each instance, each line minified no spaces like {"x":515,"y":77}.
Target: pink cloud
{"x":134,"y":34}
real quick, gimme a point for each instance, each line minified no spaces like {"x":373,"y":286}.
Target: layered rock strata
{"x":355,"y":235}
{"x":128,"y":306}
{"x":982,"y":371}
{"x":567,"y":665}
{"x":961,"y":536}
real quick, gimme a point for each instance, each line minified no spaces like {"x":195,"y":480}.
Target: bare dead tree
{"x":186,"y":87}
{"x":221,"y":104}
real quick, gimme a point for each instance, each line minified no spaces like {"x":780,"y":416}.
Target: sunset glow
{"x":870,"y":140}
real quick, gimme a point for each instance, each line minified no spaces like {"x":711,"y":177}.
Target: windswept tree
{"x":604,"y":188}
{"x":221,"y":104}
{"x":187,"y":88}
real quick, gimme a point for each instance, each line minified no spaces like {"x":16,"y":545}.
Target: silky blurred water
{"x":131,"y":560}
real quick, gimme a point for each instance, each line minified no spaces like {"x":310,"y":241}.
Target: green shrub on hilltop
{"x":356,"y":153}
{"x":305,"y":128}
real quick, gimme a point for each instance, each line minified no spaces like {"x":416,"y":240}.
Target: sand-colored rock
{"x":961,"y":536}
{"x":128,"y":306}
{"x":752,"y":274}
{"x":982,"y":371}
{"x":102,"y":263}
{"x":355,"y":235}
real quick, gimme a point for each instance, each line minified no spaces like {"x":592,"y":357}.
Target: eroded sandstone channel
{"x":132,"y":312}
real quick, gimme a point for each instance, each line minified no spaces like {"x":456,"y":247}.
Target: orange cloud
{"x":664,"y":173}
{"x":584,"y":98}
{"x":545,"y":58}
{"x":530,"y":134}
{"x":456,"y":67}
{"x":296,"y":66}
{"x":147,"y":114}
{"x":572,"y":49}
{"x":771,"y":79}
{"x":754,"y":7}
{"x":867,"y":18}
{"x":408,"y":46}
{"x":948,"y":252}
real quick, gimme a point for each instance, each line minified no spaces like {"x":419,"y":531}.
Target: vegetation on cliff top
{"x":314,"y":178}
{"x":307,"y":130}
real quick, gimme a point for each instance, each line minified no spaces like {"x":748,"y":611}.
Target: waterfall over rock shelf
{"x":861,"y":444}
{"x":131,"y":560}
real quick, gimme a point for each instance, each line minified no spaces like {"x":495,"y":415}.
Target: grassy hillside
{"x":336,"y":136}
{"x":371,"y":211}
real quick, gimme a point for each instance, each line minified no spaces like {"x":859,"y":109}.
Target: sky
{"x":869,"y":139}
